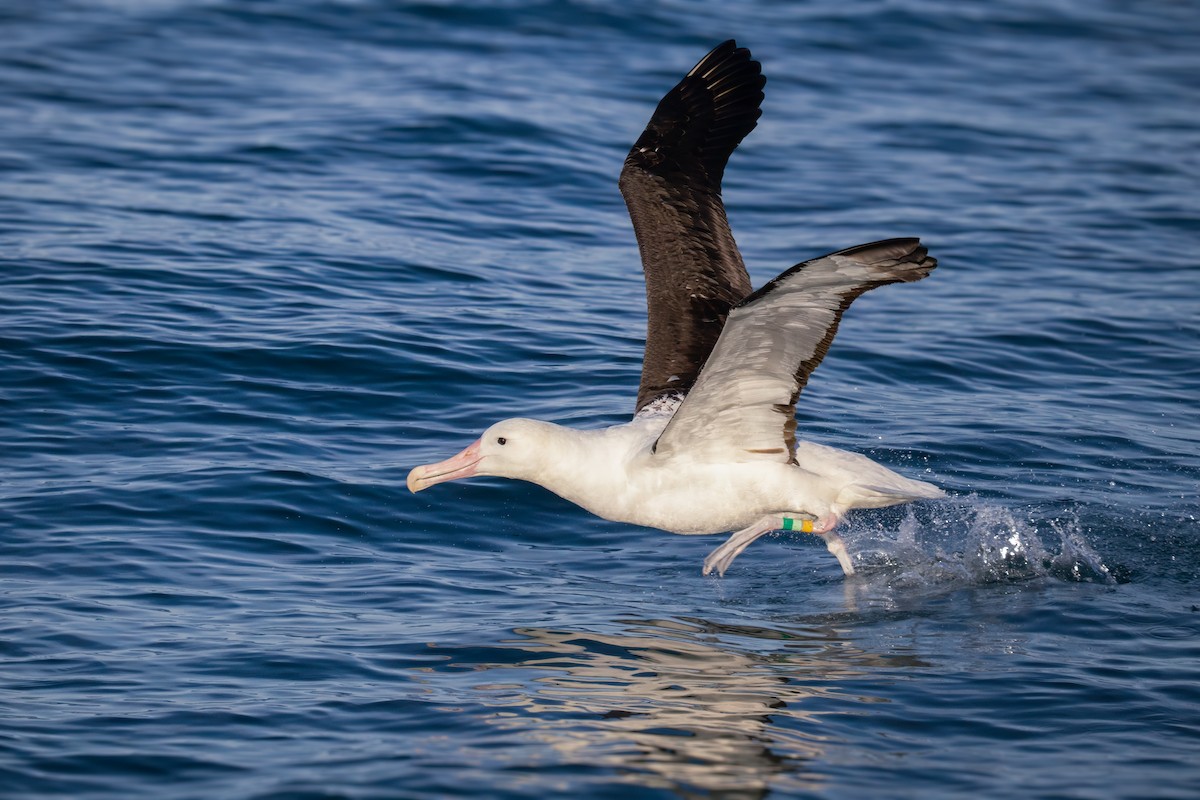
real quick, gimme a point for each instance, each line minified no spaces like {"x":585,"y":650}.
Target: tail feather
{"x":865,"y":484}
{"x":909,"y":491}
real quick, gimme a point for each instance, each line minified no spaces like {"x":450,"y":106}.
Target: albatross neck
{"x":581,"y":465}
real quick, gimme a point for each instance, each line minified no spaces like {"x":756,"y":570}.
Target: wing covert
{"x":743,"y":405}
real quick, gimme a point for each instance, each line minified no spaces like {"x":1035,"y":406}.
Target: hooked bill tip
{"x":414,"y":480}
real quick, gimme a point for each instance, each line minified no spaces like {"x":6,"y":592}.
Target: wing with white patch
{"x":743,"y":405}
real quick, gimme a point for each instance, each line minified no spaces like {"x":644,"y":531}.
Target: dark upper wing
{"x":743,"y":405}
{"x":672,"y":185}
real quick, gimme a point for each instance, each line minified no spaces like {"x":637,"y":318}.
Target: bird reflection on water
{"x":676,"y":704}
{"x":696,"y":707}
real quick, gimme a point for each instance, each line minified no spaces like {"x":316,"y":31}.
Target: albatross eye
{"x":501,"y":440}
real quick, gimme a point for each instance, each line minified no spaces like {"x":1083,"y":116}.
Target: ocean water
{"x":260,"y":257}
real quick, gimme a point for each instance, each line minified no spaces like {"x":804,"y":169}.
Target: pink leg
{"x":723,"y":556}
{"x":824,"y":528}
{"x":826,"y":523}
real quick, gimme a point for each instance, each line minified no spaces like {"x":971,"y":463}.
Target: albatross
{"x":712,"y":445}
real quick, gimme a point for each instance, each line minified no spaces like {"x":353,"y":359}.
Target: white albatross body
{"x":612,"y":473}
{"x":712,"y":447}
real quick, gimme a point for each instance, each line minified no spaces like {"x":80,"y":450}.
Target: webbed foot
{"x":836,"y":546}
{"x":723,"y":556}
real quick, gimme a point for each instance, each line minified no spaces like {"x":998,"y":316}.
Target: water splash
{"x":968,"y":541}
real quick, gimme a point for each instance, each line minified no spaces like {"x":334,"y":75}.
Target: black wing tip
{"x":725,"y":57}
{"x":702,"y":120}
{"x":734,"y":83}
{"x":902,"y":260}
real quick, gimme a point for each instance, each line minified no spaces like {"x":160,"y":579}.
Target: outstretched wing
{"x":743,"y":404}
{"x":672,"y":186}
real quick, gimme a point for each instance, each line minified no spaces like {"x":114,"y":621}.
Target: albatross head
{"x":514,"y":448}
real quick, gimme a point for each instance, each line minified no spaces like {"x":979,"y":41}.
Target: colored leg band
{"x":789,"y":524}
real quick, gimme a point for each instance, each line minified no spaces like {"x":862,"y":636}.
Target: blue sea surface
{"x":258,"y":258}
